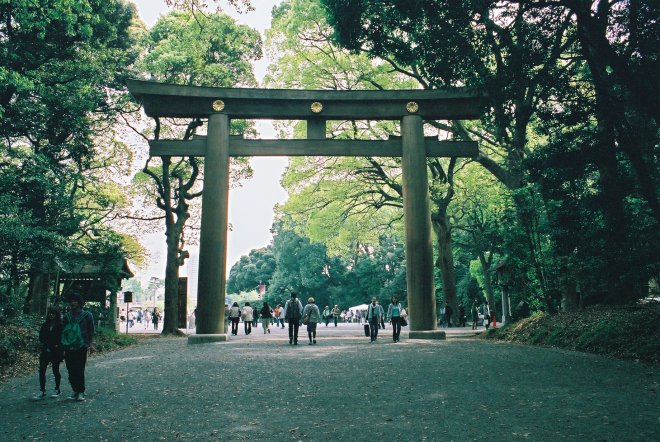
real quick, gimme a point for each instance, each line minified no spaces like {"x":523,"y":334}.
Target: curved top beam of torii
{"x":169,"y":100}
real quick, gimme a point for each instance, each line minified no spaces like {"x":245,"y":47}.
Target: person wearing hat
{"x":293,"y":312}
{"x":76,"y":359}
{"x":313,"y":316}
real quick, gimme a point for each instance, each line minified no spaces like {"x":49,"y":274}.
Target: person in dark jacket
{"x":266,"y":317}
{"x":76,"y":360}
{"x":51,"y":350}
{"x":293,"y":312}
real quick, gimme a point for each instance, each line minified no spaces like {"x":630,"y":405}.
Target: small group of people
{"x":145,"y":317}
{"x":331,"y":315}
{"x":476,"y":313}
{"x":250,"y":317}
{"x":376,"y":317}
{"x":67,"y":337}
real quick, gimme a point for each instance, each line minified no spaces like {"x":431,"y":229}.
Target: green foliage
{"x":626,"y":332}
{"x":62,"y":70}
{"x":201,"y":50}
{"x":250,"y":271}
{"x":107,"y":339}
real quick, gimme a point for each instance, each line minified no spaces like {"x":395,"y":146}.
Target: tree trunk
{"x":488,"y":286}
{"x":38,"y":291}
{"x":446,"y":262}
{"x":171,"y":311}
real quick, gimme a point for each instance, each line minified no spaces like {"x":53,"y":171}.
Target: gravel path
{"x":258,"y":387}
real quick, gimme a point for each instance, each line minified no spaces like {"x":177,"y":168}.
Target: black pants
{"x":234,"y":325}
{"x":311,"y":330}
{"x":294,"y":324}
{"x":46,"y":358}
{"x":248,"y":327}
{"x":373,"y":328}
{"x":75,"y":364}
{"x":396,"y":328}
{"x":335,"y":319}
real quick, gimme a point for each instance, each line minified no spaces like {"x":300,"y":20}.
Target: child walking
{"x":51,"y":350}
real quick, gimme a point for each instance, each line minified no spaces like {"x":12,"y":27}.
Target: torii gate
{"x":219,"y":105}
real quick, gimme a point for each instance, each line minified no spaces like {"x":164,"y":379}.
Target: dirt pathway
{"x":344,"y":388}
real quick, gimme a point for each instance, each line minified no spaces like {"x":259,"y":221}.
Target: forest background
{"x":558,"y":211}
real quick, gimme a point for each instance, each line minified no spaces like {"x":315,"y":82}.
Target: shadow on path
{"x":259,"y":387}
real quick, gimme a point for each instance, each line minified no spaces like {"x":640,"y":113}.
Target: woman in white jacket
{"x":246,"y":316}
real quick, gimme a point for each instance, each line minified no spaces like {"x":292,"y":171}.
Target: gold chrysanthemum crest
{"x":218,"y":105}
{"x":412,"y":107}
{"x":316,"y":107}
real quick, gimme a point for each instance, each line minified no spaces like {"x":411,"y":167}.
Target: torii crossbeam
{"x":220,"y":105}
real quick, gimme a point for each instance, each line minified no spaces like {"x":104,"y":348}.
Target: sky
{"x":250,"y":206}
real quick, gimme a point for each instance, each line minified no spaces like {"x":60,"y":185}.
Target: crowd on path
{"x":310,"y":315}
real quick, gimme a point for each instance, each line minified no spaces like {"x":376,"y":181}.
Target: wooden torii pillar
{"x":220,"y":105}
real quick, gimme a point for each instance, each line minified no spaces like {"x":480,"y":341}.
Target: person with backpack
{"x":394,"y":313}
{"x":50,"y":336}
{"x":293,"y":313}
{"x":311,"y":317}
{"x":77,"y":335}
{"x":374,"y":313}
{"x":335,"y":314}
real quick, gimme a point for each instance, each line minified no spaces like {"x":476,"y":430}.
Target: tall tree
{"x":536,"y":59}
{"x":201,"y":50}
{"x":62,"y":67}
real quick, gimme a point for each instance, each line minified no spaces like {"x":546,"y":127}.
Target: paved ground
{"x":258,"y":387}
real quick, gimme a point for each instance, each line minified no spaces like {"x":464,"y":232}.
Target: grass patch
{"x":624,"y":332}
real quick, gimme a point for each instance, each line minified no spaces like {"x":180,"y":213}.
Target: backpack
{"x":72,"y":338}
{"x":292,"y":311}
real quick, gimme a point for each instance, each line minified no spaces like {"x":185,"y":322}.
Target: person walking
{"x":485,"y":310}
{"x":246,"y":316}
{"x":335,"y":314}
{"x":155,"y":317}
{"x":255,"y":317}
{"x":326,"y":315}
{"x":394,"y":311}
{"x":311,"y":316}
{"x":276,"y":315}
{"x":50,"y":335}
{"x":374,"y":312}
{"x":282,"y":316}
{"x":474,"y":312}
{"x":77,"y":335}
{"x":266,"y":316}
{"x":293,"y":312}
{"x":234,"y":317}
